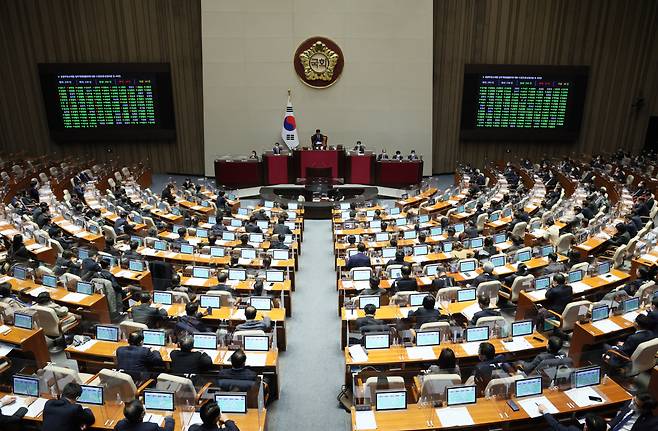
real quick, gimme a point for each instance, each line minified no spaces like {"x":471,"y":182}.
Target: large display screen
{"x":108,"y":101}
{"x":520,"y":102}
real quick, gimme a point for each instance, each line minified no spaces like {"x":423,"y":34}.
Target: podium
{"x":332,"y":159}
{"x":277,"y":168}
{"x":403,"y":173}
{"x":360,"y":168}
{"x":238,"y":173}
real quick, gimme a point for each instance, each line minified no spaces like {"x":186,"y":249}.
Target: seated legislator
{"x":369,"y":318}
{"x":213,"y":419}
{"x":405,"y":282}
{"x":374,"y":288}
{"x":644,"y":333}
{"x":277,"y":149}
{"x":398,"y":259}
{"x":489,"y":363}
{"x":145,"y":313}
{"x":359,"y":259}
{"x":222,"y":277}
{"x":427,"y":313}
{"x":238,"y":370}
{"x":279,"y":243}
{"x":134,"y":413}
{"x":251,"y":322}
{"x":383,"y":155}
{"x":636,"y":415}
{"x":484,"y":301}
{"x":318,"y":140}
{"x":553,"y":264}
{"x":11,"y":422}
{"x":447,"y":363}
{"x":280,"y":227}
{"x":186,"y":361}
{"x":486,"y":275}
{"x":191,"y":322}
{"x":359,"y":147}
{"x":137,"y":360}
{"x":558,"y":295}
{"x":592,"y":422}
{"x":553,"y":352}
{"x":64,"y":413}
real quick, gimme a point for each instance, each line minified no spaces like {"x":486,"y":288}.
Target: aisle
{"x":312,"y":368}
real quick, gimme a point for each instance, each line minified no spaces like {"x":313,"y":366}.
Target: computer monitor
{"x":521,"y":328}
{"x":545,"y":250}
{"x":600,"y":313}
{"x":391,"y":399}
{"x":381,"y":236}
{"x":431,"y":269}
{"x":499,"y":238}
{"x":524,"y":256}
{"x":460,"y":209}
{"x":293,"y":206}
{"x":542,"y":283}
{"x":575,"y":276}
{"x":257,"y":343}
{"x":369,"y":299}
{"x":423,"y":218}
{"x":590,"y":376}
{"x":153,"y":337}
{"x":161,"y":297}
{"x":507,"y":212}
{"x":274,"y":276}
{"x":201,"y":272}
{"x":377,"y":341}
{"x":205,"y":204}
{"x":527,"y":387}
{"x":256,"y":238}
{"x":175,"y":211}
{"x":24,"y":385}
{"x":136,"y":265}
{"x":416,"y":299}
{"x":217,"y":252}
{"x":187,"y":249}
{"x":631,"y":304}
{"x":467,"y":265}
{"x":494,"y":216}
{"x":604,"y":267}
{"x":436,"y":230}
{"x":138,"y":239}
{"x":466,"y":295}
{"x":460,"y":395}
{"x":476,"y":242}
{"x":107,"y":333}
{"x":459,"y":227}
{"x":498,"y":260}
{"x":91,"y":395}
{"x":421,"y":250}
{"x":428,"y":338}
{"x":158,"y":400}
{"x":160,"y":245}
{"x":351,"y":252}
{"x":394,"y":211}
{"x":20,"y":273}
{"x":288,"y":239}
{"x":243,"y":211}
{"x":110,"y":259}
{"x":84,"y":287}
{"x":228,"y":236}
{"x":83,"y":253}
{"x":236,"y":222}
{"x":280,"y":254}
{"x":92,"y":228}
{"x":22,"y":320}
{"x":400,"y":221}
{"x":231,"y":402}
{"x":410,"y":234}
{"x":263,"y":224}
{"x":447,"y":247}
{"x":263,"y":303}
{"x":268,"y":204}
{"x":49,"y":280}
{"x":375,"y":224}
{"x":395,"y":272}
{"x":212,"y":219}
{"x":389,"y":252}
{"x":202,"y":233}
{"x":248,"y":253}
{"x":205,"y":341}
{"x":360,"y":275}
{"x":237,"y":274}
{"x":210,"y":301}
{"x":477,"y":333}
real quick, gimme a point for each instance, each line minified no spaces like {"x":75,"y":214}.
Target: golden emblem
{"x":319,"y":62}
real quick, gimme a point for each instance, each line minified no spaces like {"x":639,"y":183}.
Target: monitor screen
{"x":376,"y":224}
{"x":377,"y":341}
{"x":263,"y":224}
{"x":209,"y":301}
{"x":261,"y":303}
{"x":575,"y":276}
{"x":20,"y":273}
{"x":136,"y":265}
{"x":137,"y":239}
{"x":280,"y":254}
{"x":600,"y":313}
{"x":84,"y":288}
{"x":22,"y":320}
{"x":521,"y":328}
{"x":217,"y":252}
{"x":522,"y":102}
{"x":477,"y":242}
{"x":361,"y":274}
{"x":498,"y":260}
{"x":400,"y":221}
{"x":236,"y":222}
{"x":500,"y":238}
{"x":256,"y":237}
{"x":212,"y":220}
{"x":91,"y":395}
{"x":160,"y":245}
{"x":527,"y":387}
{"x":423,"y":218}
{"x":542,"y":283}
{"x":477,"y":333}
{"x":410,"y":234}
{"x":293,"y":206}
{"x":231,"y":402}
{"x":258,"y":343}
{"x":83,"y":253}
{"x":631,"y":305}
{"x":416,"y":299}
{"x":604,"y":267}
{"x":201,"y":272}
{"x":421,"y":250}
{"x":369,"y":299}
{"x":228,"y":236}
{"x":154,"y":338}
{"x":466,"y":295}
{"x":395,"y":272}
{"x":237,"y":274}
{"x":431,"y":270}
{"x":467,"y":265}
{"x":107,"y":333}
{"x":274,"y":276}
{"x":546,"y":250}
{"x":524,"y":256}
{"x":49,"y":280}
{"x":202,"y":233}
{"x":388,"y":252}
{"x":428,"y":338}
{"x":164,"y":298}
{"x":205,"y":341}
{"x":248,"y":253}
{"x":268,"y":204}
{"x":158,"y":400}
{"x":447,"y":247}
{"x":391,"y":399}
{"x":381,"y":236}
{"x":394,"y":211}
{"x":28,"y":386}
{"x":494,"y":216}
{"x":187,"y":249}
{"x":436,"y":231}
{"x":587,"y":377}
{"x":459,"y":228}
{"x":459,"y":395}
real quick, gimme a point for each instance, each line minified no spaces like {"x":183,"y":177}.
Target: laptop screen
{"x":391,"y":400}
{"x":428,"y":338}
{"x":158,"y":400}
{"x":416,"y":299}
{"x":231,"y":402}
{"x":160,"y":245}
{"x":542,"y":283}
{"x":447,"y":247}
{"x":467,"y":265}
{"x":84,"y":288}
{"x":587,"y":377}
{"x":205,"y":341}
{"x":522,"y":328}
{"x":431,"y":269}
{"x":209,"y":301}
{"x":136,"y":265}
{"x":524,"y":256}
{"x":421,"y":250}
{"x":604,"y":267}
{"x":274,"y":276}
{"x":575,"y":276}
{"x":23,"y":321}
{"x":377,"y":341}
{"x":256,"y":237}
{"x":498,"y":261}
{"x":217,"y":252}
{"x":477,"y":242}
{"x":20,"y":273}
{"x":28,"y":386}
{"x":91,"y":395}
{"x":369,"y":299}
{"x":49,"y":280}
{"x":600,"y":313}
{"x":237,"y":274}
{"x":477,"y":333}
{"x":381,"y":236}
{"x":228,"y":236}
{"x":164,"y":298}
{"x":499,"y":237}
{"x":248,"y":253}
{"x":280,"y":254}
{"x":459,"y":395}
{"x":527,"y":387}
{"x":107,"y":333}
{"x":361,"y":275}
{"x":388,"y":252}
{"x":631,"y":305}
{"x":466,"y":295}
{"x":410,"y":234}
{"x":546,"y":250}
{"x":154,"y":338}
{"x":200,"y":272}
{"x":258,"y":343}
{"x":263,"y":303}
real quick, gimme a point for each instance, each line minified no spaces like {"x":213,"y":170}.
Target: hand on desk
{"x":542,"y":408}
{"x":7,"y":400}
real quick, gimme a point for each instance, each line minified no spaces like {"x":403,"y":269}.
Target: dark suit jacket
{"x":530,"y":366}
{"x":237,"y":374}
{"x":405,"y":284}
{"x":13,"y":422}
{"x":252,"y":228}
{"x":642,"y":423}
{"x":635,"y":340}
{"x":483,"y":278}
{"x":557,"y":426}
{"x":281,"y":228}
{"x":367,"y":321}
{"x":484,"y":371}
{"x":189,"y":362}
{"x":124,"y":425}
{"x":228,"y":426}
{"x":487,"y":312}
{"x":61,"y":415}
{"x":144,"y":313}
{"x":423,"y":315}
{"x":138,"y":361}
{"x":557,"y":297}
{"x":359,"y":259}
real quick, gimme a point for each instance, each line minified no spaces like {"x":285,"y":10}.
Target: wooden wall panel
{"x":617,"y":39}
{"x":38,"y":31}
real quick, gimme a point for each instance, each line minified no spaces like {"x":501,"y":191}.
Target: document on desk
{"x":80,"y":234}
{"x":124,"y":273}
{"x":36,"y":291}
{"x":148,"y":251}
{"x":580,"y":396}
{"x":630,"y":316}
{"x":579,"y":287}
{"x":404,"y":311}
{"x":255,"y":359}
{"x":351,"y":314}
{"x":365,"y":420}
{"x":650,"y":257}
{"x":530,"y":405}
{"x":470,"y":311}
{"x":86,"y":346}
{"x":537,"y":295}
{"x":425,"y":280}
{"x":238,"y":314}
{"x":5,"y":349}
{"x":517,"y":343}
{"x":610,"y":278}
{"x":171,"y":254}
{"x":194,"y":281}
{"x":36,"y":408}
{"x":454,"y":417}
{"x":472,"y":348}
{"x":606,"y":326}
{"x":195,"y":419}
{"x":358,"y":353}
{"x":423,"y":352}
{"x":74,"y":297}
{"x":5,"y":279}
{"x":347,"y":284}
{"x":244,"y":261}
{"x":13,"y":407}
{"x":4,"y":329}
{"x":153,"y":418}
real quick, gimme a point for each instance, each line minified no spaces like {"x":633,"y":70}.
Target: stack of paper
{"x":194,"y":281}
{"x":517,"y":343}
{"x":13,"y":407}
{"x":351,"y":314}
{"x":5,"y":279}
{"x":238,"y":314}
{"x":531,"y":406}
{"x":454,"y":417}
{"x":425,"y":280}
{"x":5,"y":349}
{"x":611,"y":278}
{"x":472,"y":348}
{"x":152,"y":417}
{"x":4,"y":329}
{"x":256,"y":359}
{"x":606,"y":326}
{"x":74,"y":297}
{"x":630,"y":316}
{"x":470,"y":311}
{"x":86,"y":346}
{"x":358,"y":353}
{"x":580,"y":396}
{"x":579,"y":287}
{"x":124,"y":273}
{"x":195,"y":419}
{"x":423,"y":352}
{"x":36,"y":407}
{"x":365,"y":420}
{"x":347,"y":284}
{"x":36,"y":291}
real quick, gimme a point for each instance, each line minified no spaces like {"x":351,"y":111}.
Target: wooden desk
{"x":87,"y":238}
{"x":44,"y":254}
{"x":32,"y":342}
{"x":142,"y":278}
{"x":586,"y":335}
{"x":494,"y":413}
{"x":167,"y":217}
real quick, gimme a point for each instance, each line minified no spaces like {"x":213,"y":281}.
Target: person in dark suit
{"x":281,"y":228}
{"x":413,"y":155}
{"x":627,"y":348}
{"x":558,"y":295}
{"x":359,"y":147}
{"x":137,"y":360}
{"x":144,"y":313}
{"x":276,"y":149}
{"x":484,"y":301}
{"x":382,"y":155}
{"x":191,"y":322}
{"x":489,"y":363}
{"x":185,"y":361}
{"x":64,"y":414}
{"x":553,"y":265}
{"x":279,"y":243}
{"x":213,"y":419}
{"x":653,"y":314}
{"x":222,"y":278}
{"x":398,"y":259}
{"x":427,"y":313}
{"x":621,"y":237}
{"x":33,"y":191}
{"x":554,"y":347}
{"x":12,"y":422}
{"x":486,"y":275}
{"x":317,"y":140}
{"x":133,"y":414}
{"x":251,"y":226}
{"x":636,"y":415}
{"x":405,"y":282}
{"x":221,"y":202}
{"x":398,"y":156}
{"x":374,"y":288}
{"x":359,"y":259}
{"x":238,"y":370}
{"x":369,"y":318}
{"x":592,"y":422}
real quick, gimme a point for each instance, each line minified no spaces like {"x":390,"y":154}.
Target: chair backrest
{"x":181,"y":386}
{"x":370,"y":384}
{"x":113,"y":298}
{"x":582,"y":266}
{"x":63,"y":373}
{"x":117,"y":385}
{"x":519,"y":228}
{"x":128,"y":327}
{"x":125,"y":171}
{"x":564,"y":243}
{"x":490,"y":288}
{"x":520,"y":283}
{"x":444,"y":327}
{"x":630,"y":247}
{"x":402,"y":298}
{"x":434,"y":385}
{"x":431,"y":266}
{"x":448,"y":294}
{"x":181,"y":297}
{"x":646,"y":290}
{"x":237,"y":335}
{"x":226,"y":298}
{"x":553,"y":233}
{"x":389,"y":269}
{"x":501,"y":386}
{"x":70,"y":280}
{"x":47,"y":320}
{"x":109,"y":233}
{"x":619,"y":256}
{"x":644,"y":357}
{"x":494,"y":322}
{"x":572,"y":312}
{"x":360,"y":269}
{"x":481,"y":220}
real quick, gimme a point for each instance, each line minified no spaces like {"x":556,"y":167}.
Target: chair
{"x":642,"y":359}
{"x":519,"y":229}
{"x":434,"y":385}
{"x":117,"y":385}
{"x":481,"y":220}
{"x":64,"y":373}
{"x":491,"y":288}
{"x":52,"y":327}
{"x":448,"y":294}
{"x":521,"y":250}
{"x":571,"y":314}
{"x":109,"y":233}
{"x":582,"y":266}
{"x":501,"y":386}
{"x":114,"y":300}
{"x":553,"y":234}
{"x":180,"y":297}
{"x":402,"y":298}
{"x":370,"y":385}
{"x":443,"y":327}
{"x":494,"y":322}
{"x":389,"y":269}
{"x":646,"y":291}
{"x":564,"y":243}
{"x":127,"y":327}
{"x":431,"y":267}
{"x":182,"y":387}
{"x":226,"y":300}
{"x":520,"y":284}
{"x":70,"y":280}
{"x":619,"y":256}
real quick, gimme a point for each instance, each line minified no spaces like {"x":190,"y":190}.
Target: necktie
{"x":623,"y":421}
